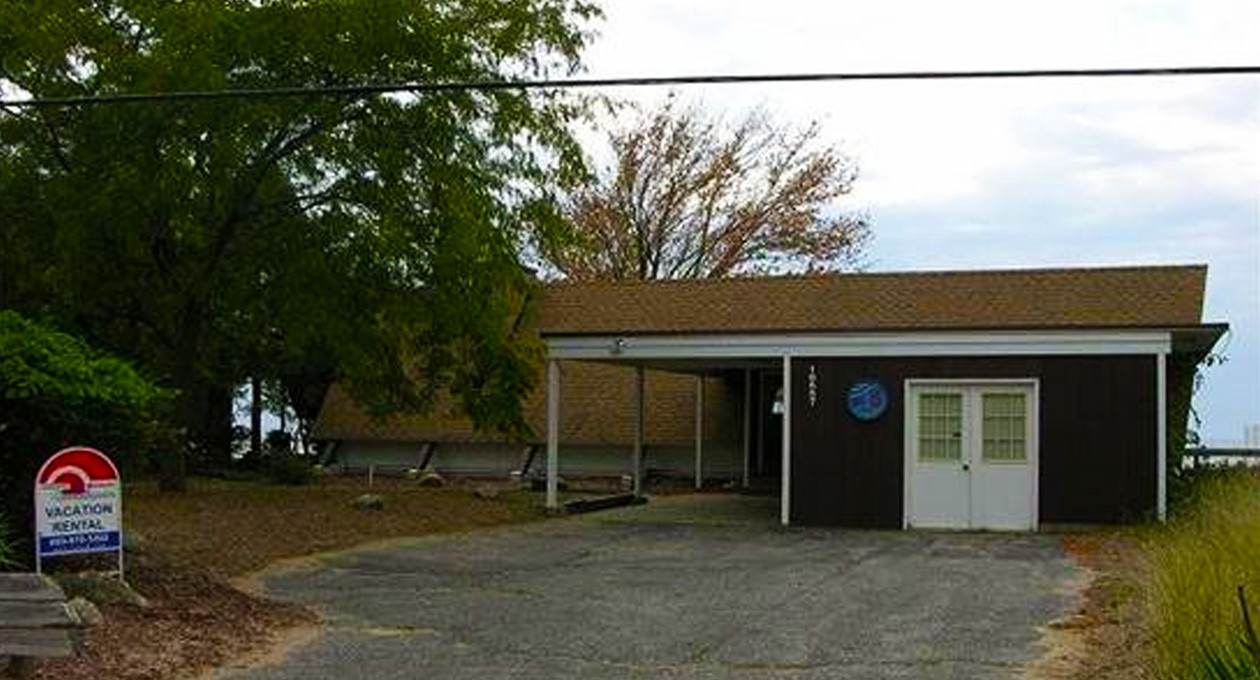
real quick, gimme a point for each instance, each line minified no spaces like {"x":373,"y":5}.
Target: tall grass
{"x":1197,"y":564}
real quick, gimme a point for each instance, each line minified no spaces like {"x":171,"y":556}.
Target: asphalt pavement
{"x":690,"y":587}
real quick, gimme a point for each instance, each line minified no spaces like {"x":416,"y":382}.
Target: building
{"x":968,"y":399}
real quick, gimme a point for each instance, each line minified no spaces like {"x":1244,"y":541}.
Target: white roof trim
{"x":919,"y":343}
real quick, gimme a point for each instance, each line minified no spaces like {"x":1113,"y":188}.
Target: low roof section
{"x":597,"y":401}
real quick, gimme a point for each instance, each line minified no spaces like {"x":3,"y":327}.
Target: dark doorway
{"x":767,"y":424}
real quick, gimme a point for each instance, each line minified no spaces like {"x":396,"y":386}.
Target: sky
{"x":996,"y":174}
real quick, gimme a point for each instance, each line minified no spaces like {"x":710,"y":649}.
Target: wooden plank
{"x":35,"y":615}
{"x":42,"y":642}
{"x":603,"y":503}
{"x":29,"y":588}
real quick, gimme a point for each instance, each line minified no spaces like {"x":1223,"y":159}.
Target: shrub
{"x":291,"y":470}
{"x":278,"y":443}
{"x":1198,"y":562}
{"x":55,"y":390}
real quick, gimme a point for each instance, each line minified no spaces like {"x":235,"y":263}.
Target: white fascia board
{"x":944,"y":343}
{"x":1161,"y":436}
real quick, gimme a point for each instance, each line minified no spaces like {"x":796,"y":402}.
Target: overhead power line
{"x":364,"y":90}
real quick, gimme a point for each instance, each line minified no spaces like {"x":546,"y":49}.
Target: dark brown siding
{"x":1097,"y":427}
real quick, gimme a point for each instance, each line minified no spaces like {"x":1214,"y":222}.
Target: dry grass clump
{"x":1197,"y":564}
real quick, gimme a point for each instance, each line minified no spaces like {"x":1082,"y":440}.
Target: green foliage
{"x":304,"y":379}
{"x":1186,"y":376}
{"x":1239,"y":660}
{"x":64,"y":377}
{"x":291,"y":470}
{"x":1198,"y":563}
{"x":57,"y":390}
{"x":278,"y":443}
{"x":1232,"y":662}
{"x":213,"y":241}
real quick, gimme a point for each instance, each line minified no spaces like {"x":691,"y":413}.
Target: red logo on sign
{"x":76,"y":469}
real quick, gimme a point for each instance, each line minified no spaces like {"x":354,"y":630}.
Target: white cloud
{"x":667,"y":36}
{"x":1010,"y":173}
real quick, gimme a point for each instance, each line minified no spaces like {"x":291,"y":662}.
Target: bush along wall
{"x":1185,"y":376}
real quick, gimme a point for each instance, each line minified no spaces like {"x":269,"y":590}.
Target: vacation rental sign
{"x":78,"y":504}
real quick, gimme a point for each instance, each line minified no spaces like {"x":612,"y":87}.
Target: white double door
{"x":971,"y":455}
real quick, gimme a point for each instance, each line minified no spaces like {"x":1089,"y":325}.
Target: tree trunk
{"x":172,"y":467}
{"x":215,"y":434}
{"x":255,"y":418}
{"x":171,"y":472}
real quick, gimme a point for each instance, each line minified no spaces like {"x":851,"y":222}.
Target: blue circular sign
{"x":868,"y":400}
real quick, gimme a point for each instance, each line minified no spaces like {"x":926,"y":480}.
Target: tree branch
{"x":698,"y":199}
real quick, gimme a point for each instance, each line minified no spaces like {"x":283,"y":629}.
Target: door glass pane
{"x":1005,"y":421}
{"x":940,"y":427}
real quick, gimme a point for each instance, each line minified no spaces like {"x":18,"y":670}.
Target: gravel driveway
{"x":677,"y":589}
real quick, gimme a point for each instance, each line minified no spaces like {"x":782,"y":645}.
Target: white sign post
{"x":78,"y":506}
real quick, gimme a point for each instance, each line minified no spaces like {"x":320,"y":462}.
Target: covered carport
{"x":643,"y":355}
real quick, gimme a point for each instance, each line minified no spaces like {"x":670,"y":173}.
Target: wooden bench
{"x":34,"y":622}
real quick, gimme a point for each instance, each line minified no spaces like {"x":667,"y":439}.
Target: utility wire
{"x":586,"y":83}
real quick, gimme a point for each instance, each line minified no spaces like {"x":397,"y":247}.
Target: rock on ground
{"x":86,"y":612}
{"x":100,"y":588}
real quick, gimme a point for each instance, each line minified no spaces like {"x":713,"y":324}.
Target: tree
{"x":302,"y":383}
{"x":381,"y":231}
{"x":55,"y":390}
{"x":688,"y":196}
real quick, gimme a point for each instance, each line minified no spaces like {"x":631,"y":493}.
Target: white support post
{"x":553,"y":431}
{"x":699,"y":431}
{"x":1161,"y":435}
{"x":637,"y":464}
{"x":785,"y":484}
{"x":747,"y":423}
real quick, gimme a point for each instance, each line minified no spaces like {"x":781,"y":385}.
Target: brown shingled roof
{"x":598,"y":398}
{"x":1115,"y":297}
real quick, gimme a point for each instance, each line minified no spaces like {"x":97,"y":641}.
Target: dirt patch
{"x":1106,"y":638}
{"x":233,"y":528}
{"x":1065,"y":646}
{"x":273,"y":654}
{"x":194,"y":621}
